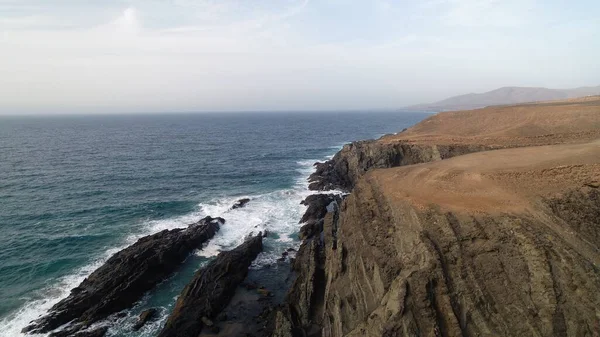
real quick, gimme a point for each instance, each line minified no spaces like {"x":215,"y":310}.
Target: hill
{"x":505,"y":95}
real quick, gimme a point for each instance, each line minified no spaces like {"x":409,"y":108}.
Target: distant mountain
{"x":506,"y":95}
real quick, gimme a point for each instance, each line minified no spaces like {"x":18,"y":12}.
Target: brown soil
{"x":508,"y":180}
{"x":556,"y":122}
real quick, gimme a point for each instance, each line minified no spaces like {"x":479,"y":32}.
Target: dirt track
{"x":495,"y":181}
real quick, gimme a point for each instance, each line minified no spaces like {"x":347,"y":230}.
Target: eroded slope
{"x":473,"y":223}
{"x":503,"y":248}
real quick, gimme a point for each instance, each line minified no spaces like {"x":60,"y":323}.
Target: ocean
{"x":76,"y":189}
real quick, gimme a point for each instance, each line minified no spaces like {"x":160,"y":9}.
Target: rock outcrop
{"x":315,"y":213}
{"x":450,"y":134}
{"x":126,"y":276}
{"x":240,"y":203}
{"x":464,"y":267}
{"x":355,"y":159}
{"x":211,"y":289}
{"x":146,"y":316}
{"x":493,"y":243}
{"x":301,"y":313}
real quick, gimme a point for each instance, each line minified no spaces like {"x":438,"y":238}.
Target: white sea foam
{"x":277,"y":212}
{"x":11,"y":326}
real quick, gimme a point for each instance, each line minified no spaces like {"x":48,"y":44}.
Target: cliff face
{"x":400,"y":270}
{"x":355,"y":159}
{"x":485,"y":243}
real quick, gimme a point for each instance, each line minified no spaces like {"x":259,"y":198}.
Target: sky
{"x":80,"y":56}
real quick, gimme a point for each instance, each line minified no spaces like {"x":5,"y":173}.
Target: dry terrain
{"x":471,"y":223}
{"x":555,"y":122}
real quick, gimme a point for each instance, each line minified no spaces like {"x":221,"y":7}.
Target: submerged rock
{"x":240,"y":203}
{"x":126,"y":276}
{"x":145,"y":317}
{"x":211,"y":289}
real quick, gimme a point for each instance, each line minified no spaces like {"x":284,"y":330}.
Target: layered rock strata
{"x":124,"y":278}
{"x":493,"y":243}
{"x":210,"y":290}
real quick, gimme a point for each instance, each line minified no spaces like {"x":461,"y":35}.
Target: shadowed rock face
{"x":313,"y":217}
{"x":425,"y":272}
{"x":211,"y":289}
{"x":126,"y":276}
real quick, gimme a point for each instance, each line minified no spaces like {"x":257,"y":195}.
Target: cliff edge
{"x":478,"y":223}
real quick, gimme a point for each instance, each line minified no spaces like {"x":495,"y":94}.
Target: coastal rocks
{"x":421,"y":271}
{"x":355,"y":159}
{"x":313,"y":217}
{"x":251,"y":310}
{"x":301,"y":315}
{"x":126,"y":276}
{"x":240,"y":203}
{"x":145,"y":317}
{"x":496,"y":243}
{"x":211,"y":289}
{"x":317,"y":206}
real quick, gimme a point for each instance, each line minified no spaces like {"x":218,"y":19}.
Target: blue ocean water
{"x":76,"y":189}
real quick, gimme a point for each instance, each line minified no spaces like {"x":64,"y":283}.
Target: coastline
{"x":403,"y":228}
{"x":266,"y":209}
{"x":414,"y":248}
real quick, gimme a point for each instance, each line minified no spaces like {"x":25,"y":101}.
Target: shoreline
{"x":399,"y":258}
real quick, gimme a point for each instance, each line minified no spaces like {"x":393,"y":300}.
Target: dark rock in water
{"x":211,"y":289}
{"x":317,"y":206}
{"x":121,"y":314}
{"x":313,"y":217}
{"x":145,"y":317}
{"x":126,"y":276}
{"x":309,"y":229}
{"x":240,"y":203}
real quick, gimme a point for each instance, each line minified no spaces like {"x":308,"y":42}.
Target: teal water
{"x":76,"y":189}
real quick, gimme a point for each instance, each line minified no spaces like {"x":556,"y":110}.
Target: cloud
{"x":167,"y":55}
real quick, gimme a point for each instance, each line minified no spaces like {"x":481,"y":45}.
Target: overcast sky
{"x":210,"y":55}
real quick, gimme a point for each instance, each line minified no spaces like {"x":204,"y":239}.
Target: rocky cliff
{"x":453,"y":239}
{"x":355,"y":159}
